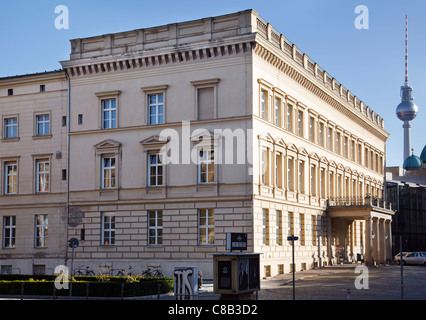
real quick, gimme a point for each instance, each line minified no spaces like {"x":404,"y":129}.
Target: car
{"x":397,"y":258}
{"x":417,"y":257}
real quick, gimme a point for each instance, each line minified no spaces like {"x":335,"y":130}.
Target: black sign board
{"x":294,"y":238}
{"x":224,"y":274}
{"x":236,"y":241}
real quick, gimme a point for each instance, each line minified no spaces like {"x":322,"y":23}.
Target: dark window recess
{"x":64,"y":121}
{"x":82,"y":234}
{"x":10,"y":92}
{"x":42,"y":88}
{"x":64,"y":174}
{"x":80,"y":119}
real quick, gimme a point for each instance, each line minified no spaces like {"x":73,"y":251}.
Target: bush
{"x":112,"y":288}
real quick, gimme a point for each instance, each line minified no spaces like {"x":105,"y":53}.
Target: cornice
{"x":301,"y":76}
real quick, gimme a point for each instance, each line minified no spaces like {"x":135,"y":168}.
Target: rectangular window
{"x":10,"y":92}
{"x":206,"y":103}
{"x":311,"y":129}
{"x":263,"y":167}
{"x":302,"y":228}
{"x":278,"y":238}
{"x":345,"y":147}
{"x":290,"y":224}
{"x":41,"y":228}
{"x":43,"y":170}
{"x":155,"y":170}
{"x":290,"y":117}
{"x":11,"y":178}
{"x":338,"y":143}
{"x":43,"y":124}
{"x":329,"y":139}
{"x":108,"y":172}
{"x":290,"y":185}
{"x":11,"y":128}
{"x":314,"y":229}
{"x":156,"y":108}
{"x":313,"y":181}
{"x":155,"y":227}
{"x":9,"y":232}
{"x":265,"y":226}
{"x":278,"y":167}
{"x":205,"y":226}
{"x":263,"y":105}
{"x":300,"y":123}
{"x":301,"y":177}
{"x":109,"y":114}
{"x":277,"y":112}
{"x":206,"y":166}
{"x":321,"y":134}
{"x":108,"y":229}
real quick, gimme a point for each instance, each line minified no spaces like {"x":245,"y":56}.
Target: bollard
{"x":159,"y":290}
{"x":349,"y":294}
{"x":22,"y":290}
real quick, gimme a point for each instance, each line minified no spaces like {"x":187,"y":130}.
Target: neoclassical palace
{"x":149,"y":146}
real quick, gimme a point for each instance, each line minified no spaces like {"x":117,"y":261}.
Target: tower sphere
{"x":407,"y":109}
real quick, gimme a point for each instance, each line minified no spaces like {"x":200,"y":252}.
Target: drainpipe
{"x":68,"y":162}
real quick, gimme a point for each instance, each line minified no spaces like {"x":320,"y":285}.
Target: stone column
{"x":376,"y":253}
{"x":389,"y":240}
{"x":383,"y":241}
{"x":368,"y":242}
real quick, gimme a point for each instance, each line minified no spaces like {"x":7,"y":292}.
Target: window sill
{"x":42,"y":136}
{"x":14,"y":139}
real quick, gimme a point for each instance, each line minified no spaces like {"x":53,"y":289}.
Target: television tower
{"x":407,"y":109}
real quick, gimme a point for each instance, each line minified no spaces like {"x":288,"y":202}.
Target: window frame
{"x":210,"y":162}
{"x":9,"y":232}
{"x":157,"y":165}
{"x":156,"y":227}
{"x":42,"y":229}
{"x":7,"y":126}
{"x":6,"y":177}
{"x":157,"y":106}
{"x":109,"y":110}
{"x":110,"y":168}
{"x":45,"y":123}
{"x":38,"y":174}
{"x":108,"y":229}
{"x":209,"y":239}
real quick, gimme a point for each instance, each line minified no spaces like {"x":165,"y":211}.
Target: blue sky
{"x":368,"y":62}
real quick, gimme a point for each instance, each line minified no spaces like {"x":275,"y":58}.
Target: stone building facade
{"x":179,"y":134}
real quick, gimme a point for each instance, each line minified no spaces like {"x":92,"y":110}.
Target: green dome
{"x":423,"y":155}
{"x":412,"y":163}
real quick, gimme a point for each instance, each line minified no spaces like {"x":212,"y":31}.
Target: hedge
{"x":115,"y":287}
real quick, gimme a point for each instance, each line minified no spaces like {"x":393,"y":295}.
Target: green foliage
{"x":127,"y":286}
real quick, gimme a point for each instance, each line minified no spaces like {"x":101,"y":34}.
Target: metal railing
{"x":359,"y":201}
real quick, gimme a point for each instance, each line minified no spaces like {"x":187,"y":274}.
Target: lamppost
{"x":72,"y":243}
{"x":293,"y":238}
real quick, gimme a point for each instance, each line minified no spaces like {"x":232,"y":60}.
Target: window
{"x":290,"y":184}
{"x":311,"y":129}
{"x":322,"y":183}
{"x":108,"y":228}
{"x":300,"y":123}
{"x":277,"y":112}
{"x":263,"y":105}
{"x":80,"y":119}
{"x":9,"y":232}
{"x":155,"y":227}
{"x":109,"y":114}
{"x":41,"y":228}
{"x":11,"y":128}
{"x":43,"y":169}
{"x":278,"y":238}
{"x":42,"y":88}
{"x":205,"y":226}
{"x":156,"y":108}
{"x":302,"y":228}
{"x":278,"y":167}
{"x":265,"y":226}
{"x":206,"y":166}
{"x":43,"y":124}
{"x":313,"y":181}
{"x":321,"y":134}
{"x":338,"y":142}
{"x":301,"y":177}
{"x":289,"y":117}
{"x":155,"y":170}
{"x":329,"y":139}
{"x":345,"y":147}
{"x":263,"y":166}
{"x":11,"y":178}
{"x":10,"y":92}
{"x":290,"y":223}
{"x":108,"y":172}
